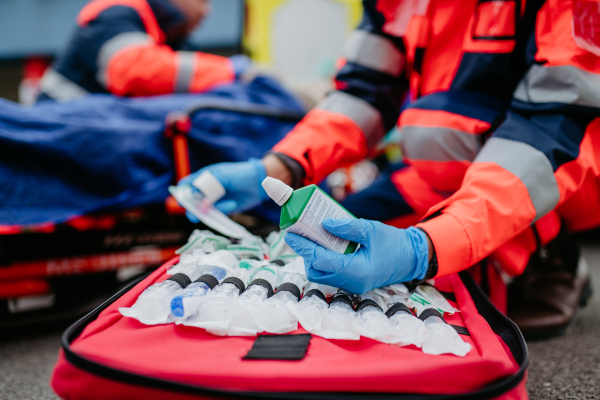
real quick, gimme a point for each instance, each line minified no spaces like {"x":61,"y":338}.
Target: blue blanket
{"x":104,"y":153}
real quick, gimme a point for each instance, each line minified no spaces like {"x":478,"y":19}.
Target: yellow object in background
{"x":301,"y":39}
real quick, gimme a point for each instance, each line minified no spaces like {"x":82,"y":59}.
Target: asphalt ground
{"x":564,"y":367}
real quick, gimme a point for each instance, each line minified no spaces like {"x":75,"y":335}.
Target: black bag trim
{"x":499,"y":323}
{"x":264,"y":283}
{"x":367,"y":303}
{"x":209,"y":280}
{"x":290,"y":287}
{"x":237,"y":282}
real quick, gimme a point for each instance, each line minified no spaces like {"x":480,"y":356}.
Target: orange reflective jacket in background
{"x":123,"y":47}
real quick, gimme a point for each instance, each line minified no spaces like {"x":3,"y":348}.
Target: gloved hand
{"x":387,"y":255}
{"x":240,"y":64}
{"x":242,"y":183}
{"x":246,"y":70}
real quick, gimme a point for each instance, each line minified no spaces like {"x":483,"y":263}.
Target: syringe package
{"x":185,"y":332}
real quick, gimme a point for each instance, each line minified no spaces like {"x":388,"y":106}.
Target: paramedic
{"x":501,"y":140}
{"x":136,"y":48}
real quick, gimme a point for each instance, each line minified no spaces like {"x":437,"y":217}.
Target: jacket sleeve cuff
{"x":295,"y":168}
{"x":451,"y":242}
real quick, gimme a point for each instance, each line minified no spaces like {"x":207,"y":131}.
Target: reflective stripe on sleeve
{"x":56,"y":86}
{"x":374,"y":52}
{"x":530,"y":165}
{"x":564,"y":84}
{"x":439,"y":144}
{"x":116,"y":44}
{"x":361,"y":112}
{"x":186,"y":61}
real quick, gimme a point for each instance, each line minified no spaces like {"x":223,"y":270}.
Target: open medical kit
{"x":267,"y":343}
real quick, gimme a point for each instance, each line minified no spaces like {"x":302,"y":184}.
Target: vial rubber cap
{"x":210,"y":186}
{"x":277,"y":190}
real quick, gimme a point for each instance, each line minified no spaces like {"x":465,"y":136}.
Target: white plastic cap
{"x":210,"y":186}
{"x":277,"y":190}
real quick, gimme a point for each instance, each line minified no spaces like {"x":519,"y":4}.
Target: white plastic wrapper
{"x":215,"y":310}
{"x":436,"y":299}
{"x":273,"y":315}
{"x":441,"y":338}
{"x":221,"y":258}
{"x":296,"y":266}
{"x":309,"y":312}
{"x":372,"y":323}
{"x":153,"y":306}
{"x":278,"y":248}
{"x":246,"y":250}
{"x":206,"y":241}
{"x":193,"y":201}
{"x":399,"y":289}
{"x":338,"y":322}
{"x":408,"y":330}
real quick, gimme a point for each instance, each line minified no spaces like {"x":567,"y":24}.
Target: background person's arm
{"x":129,"y":61}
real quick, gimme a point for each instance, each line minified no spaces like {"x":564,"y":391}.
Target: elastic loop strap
{"x":316,"y":292}
{"x":265,"y":284}
{"x":431,"y":312}
{"x":461,"y":330}
{"x":396,"y":308}
{"x":182,"y":279}
{"x":367,"y":303}
{"x":210,"y":281}
{"x":341,"y":298}
{"x":237,"y":282}
{"x":289,"y":287}
{"x":280,"y":263}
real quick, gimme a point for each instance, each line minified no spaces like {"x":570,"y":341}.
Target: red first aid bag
{"x":108,"y":356}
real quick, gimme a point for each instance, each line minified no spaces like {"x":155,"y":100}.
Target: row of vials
{"x":228,"y":296}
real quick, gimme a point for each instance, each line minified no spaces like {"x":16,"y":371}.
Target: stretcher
{"x":105,"y":355}
{"x":66,"y":267}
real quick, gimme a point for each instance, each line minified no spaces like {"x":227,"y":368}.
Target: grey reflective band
{"x":186,"y":60}
{"x":528,"y":164}
{"x":60,"y":88}
{"x":439,"y":144}
{"x":374,"y":52}
{"x":564,"y":84}
{"x":116,"y":44}
{"x":363,"y":114}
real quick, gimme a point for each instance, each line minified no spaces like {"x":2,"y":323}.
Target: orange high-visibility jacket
{"x":123,"y":47}
{"x":503,"y":128}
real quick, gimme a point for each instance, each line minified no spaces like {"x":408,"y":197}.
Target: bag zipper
{"x":500,"y":324}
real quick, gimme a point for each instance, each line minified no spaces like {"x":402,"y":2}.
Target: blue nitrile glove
{"x":242,"y":183}
{"x":387,"y":255}
{"x":241,"y":64}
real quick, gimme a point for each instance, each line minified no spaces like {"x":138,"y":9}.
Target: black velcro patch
{"x":279,"y":347}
